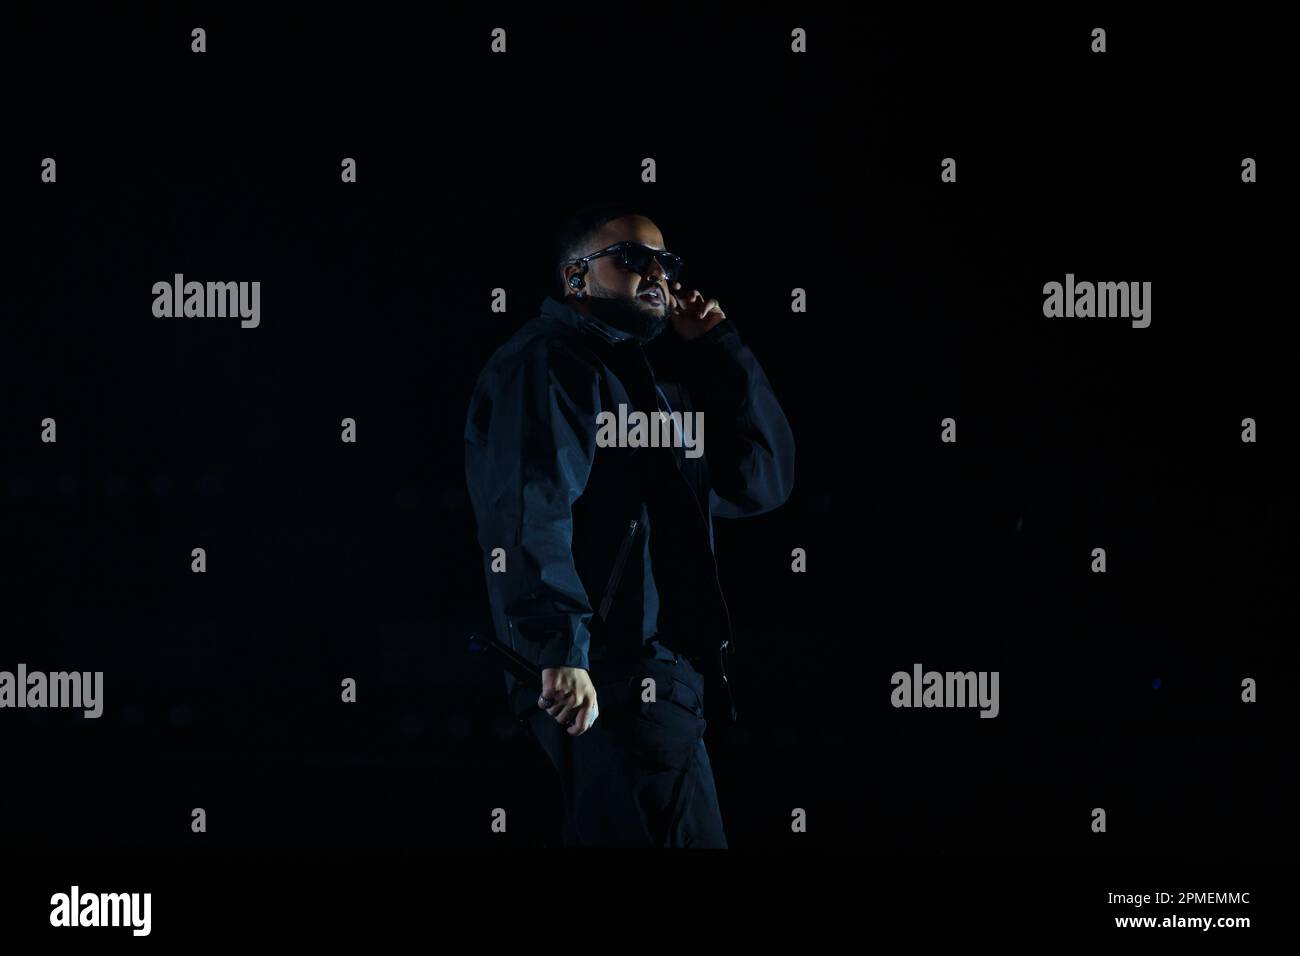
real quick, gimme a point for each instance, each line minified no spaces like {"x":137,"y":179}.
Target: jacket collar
{"x":553,"y":308}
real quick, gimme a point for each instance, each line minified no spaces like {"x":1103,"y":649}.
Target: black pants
{"x":640,"y":776}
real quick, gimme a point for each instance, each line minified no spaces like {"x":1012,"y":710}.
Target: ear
{"x":567,"y":273}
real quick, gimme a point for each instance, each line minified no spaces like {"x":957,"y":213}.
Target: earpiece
{"x":575,"y":281}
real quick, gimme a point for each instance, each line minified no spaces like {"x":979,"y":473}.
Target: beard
{"x":627,"y":315}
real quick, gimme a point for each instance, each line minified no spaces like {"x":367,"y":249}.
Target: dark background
{"x":821,"y":171}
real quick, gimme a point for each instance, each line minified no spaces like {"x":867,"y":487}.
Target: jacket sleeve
{"x":526,"y":463}
{"x":748,"y":443}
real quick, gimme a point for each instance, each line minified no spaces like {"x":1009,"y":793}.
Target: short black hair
{"x":577,"y":234}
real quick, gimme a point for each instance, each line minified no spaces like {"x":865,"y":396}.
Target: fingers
{"x":694,"y":304}
{"x":565,"y":713}
{"x":564,"y":707}
{"x":569,"y":698}
{"x":583,"y":719}
{"x":553,"y":703}
{"x":684,"y":299}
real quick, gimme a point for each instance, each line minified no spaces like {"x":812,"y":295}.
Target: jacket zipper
{"x":617,"y":573}
{"x":725,"y":644}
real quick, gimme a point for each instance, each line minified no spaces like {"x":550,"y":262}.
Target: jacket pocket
{"x":670,"y":728}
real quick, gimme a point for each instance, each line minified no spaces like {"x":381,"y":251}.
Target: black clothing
{"x":608,"y":552}
{"x":561,"y":507}
{"x":640,"y":776}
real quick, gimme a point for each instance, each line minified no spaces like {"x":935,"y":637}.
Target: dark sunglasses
{"x":636,"y":257}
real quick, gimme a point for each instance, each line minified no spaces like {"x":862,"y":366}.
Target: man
{"x":599,"y":554}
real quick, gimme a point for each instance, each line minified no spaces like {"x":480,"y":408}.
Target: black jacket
{"x":573,"y":517}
